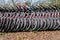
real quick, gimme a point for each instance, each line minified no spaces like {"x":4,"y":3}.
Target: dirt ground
{"x":43,"y":35}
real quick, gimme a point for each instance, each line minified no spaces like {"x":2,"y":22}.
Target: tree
{"x":54,"y":1}
{"x":28,"y":3}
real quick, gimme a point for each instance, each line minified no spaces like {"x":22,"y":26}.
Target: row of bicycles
{"x":35,"y":21}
